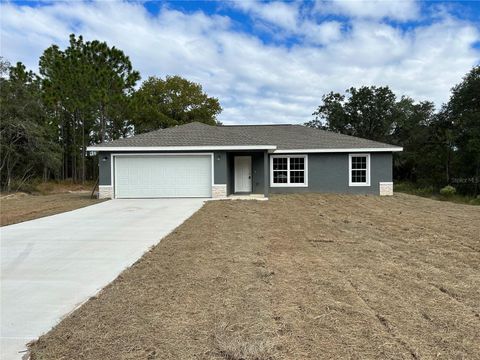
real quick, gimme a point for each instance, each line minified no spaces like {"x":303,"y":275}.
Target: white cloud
{"x":255,"y":82}
{"x":323,"y":33}
{"x":288,"y":19}
{"x":374,"y":9}
{"x":282,"y":14}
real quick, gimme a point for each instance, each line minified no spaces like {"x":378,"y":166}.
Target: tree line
{"x":89,"y":93}
{"x":439,"y":147}
{"x":83,"y":95}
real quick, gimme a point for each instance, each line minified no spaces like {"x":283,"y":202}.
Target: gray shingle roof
{"x":284,"y":137}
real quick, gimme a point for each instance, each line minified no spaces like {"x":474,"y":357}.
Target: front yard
{"x":19,"y":207}
{"x":296,"y":277}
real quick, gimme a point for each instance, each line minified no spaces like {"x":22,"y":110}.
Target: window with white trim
{"x":288,"y":170}
{"x":359,"y":169}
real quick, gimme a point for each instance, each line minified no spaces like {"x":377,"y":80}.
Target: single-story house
{"x":199,"y":160}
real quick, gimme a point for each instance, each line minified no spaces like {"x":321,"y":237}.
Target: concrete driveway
{"x":51,"y":265}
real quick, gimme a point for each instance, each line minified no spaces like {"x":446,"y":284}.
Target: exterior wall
{"x":329,"y":173}
{"x":104,"y":168}
{"x":220,"y":167}
{"x":258,"y":173}
{"x":230,"y":174}
{"x":326,"y":173}
{"x":258,"y":177}
{"x":219,"y":161}
{"x":386,"y":188}
{"x":220,"y":173}
{"x":105,"y":191}
{"x":219,"y":191}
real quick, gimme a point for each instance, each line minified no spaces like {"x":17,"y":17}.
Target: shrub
{"x":411,"y":188}
{"x":475,"y":200}
{"x":448,"y":191}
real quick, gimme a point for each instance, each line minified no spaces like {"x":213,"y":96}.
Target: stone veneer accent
{"x":386,"y":188}
{"x":219,"y":191}
{"x":105,"y":191}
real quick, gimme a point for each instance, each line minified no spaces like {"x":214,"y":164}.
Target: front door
{"x":243,"y":174}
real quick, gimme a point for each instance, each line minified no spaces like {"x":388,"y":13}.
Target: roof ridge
{"x":339,"y":134}
{"x":176,"y":127}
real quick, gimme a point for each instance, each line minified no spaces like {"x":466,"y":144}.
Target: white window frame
{"x":350,"y":183}
{"x":288,"y":184}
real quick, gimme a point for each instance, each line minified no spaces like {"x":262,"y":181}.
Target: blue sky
{"x":267,"y":62}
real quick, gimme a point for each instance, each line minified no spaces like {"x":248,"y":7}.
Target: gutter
{"x":343,"y":150}
{"x":271,"y":149}
{"x":179,"y":148}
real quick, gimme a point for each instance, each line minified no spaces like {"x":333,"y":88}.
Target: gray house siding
{"x":258,"y":173}
{"x":220,"y":173}
{"x":231,"y":174}
{"x":104,"y":168}
{"x":329,"y":173}
{"x":258,"y":183}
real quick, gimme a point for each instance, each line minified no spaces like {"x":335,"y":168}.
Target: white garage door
{"x":153,"y":176}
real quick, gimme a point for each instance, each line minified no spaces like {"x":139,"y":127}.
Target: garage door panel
{"x":163,"y":176}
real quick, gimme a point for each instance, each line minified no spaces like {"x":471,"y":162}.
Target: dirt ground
{"x":296,"y":277}
{"x":18,"y":207}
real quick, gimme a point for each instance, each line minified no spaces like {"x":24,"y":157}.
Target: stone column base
{"x":386,"y":188}
{"x":219,"y":191}
{"x":105,"y":192}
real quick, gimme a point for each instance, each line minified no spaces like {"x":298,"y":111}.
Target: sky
{"x":266,"y":61}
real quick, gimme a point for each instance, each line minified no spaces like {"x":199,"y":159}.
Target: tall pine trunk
{"x":447,"y":167}
{"x":9,"y":176}
{"x":477,"y":176}
{"x":83,"y":150}
{"x":64,"y":146}
{"x":74,"y":152}
{"x":102,"y":123}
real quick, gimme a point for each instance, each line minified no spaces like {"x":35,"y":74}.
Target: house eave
{"x":179,"y":148}
{"x":271,"y":148}
{"x":343,"y":150}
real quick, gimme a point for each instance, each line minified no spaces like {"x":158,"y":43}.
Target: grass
{"x":47,"y":199}
{"x":429,"y":192}
{"x":61,"y":186}
{"x":297,"y":277}
{"x":39,"y":187}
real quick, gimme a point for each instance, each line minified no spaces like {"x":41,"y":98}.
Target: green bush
{"x":410,"y":188}
{"x":448,"y":190}
{"x":475,"y":201}
{"x":448,"y":193}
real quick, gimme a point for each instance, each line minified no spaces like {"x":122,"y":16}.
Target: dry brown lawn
{"x":18,"y":207}
{"x":297,"y":277}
